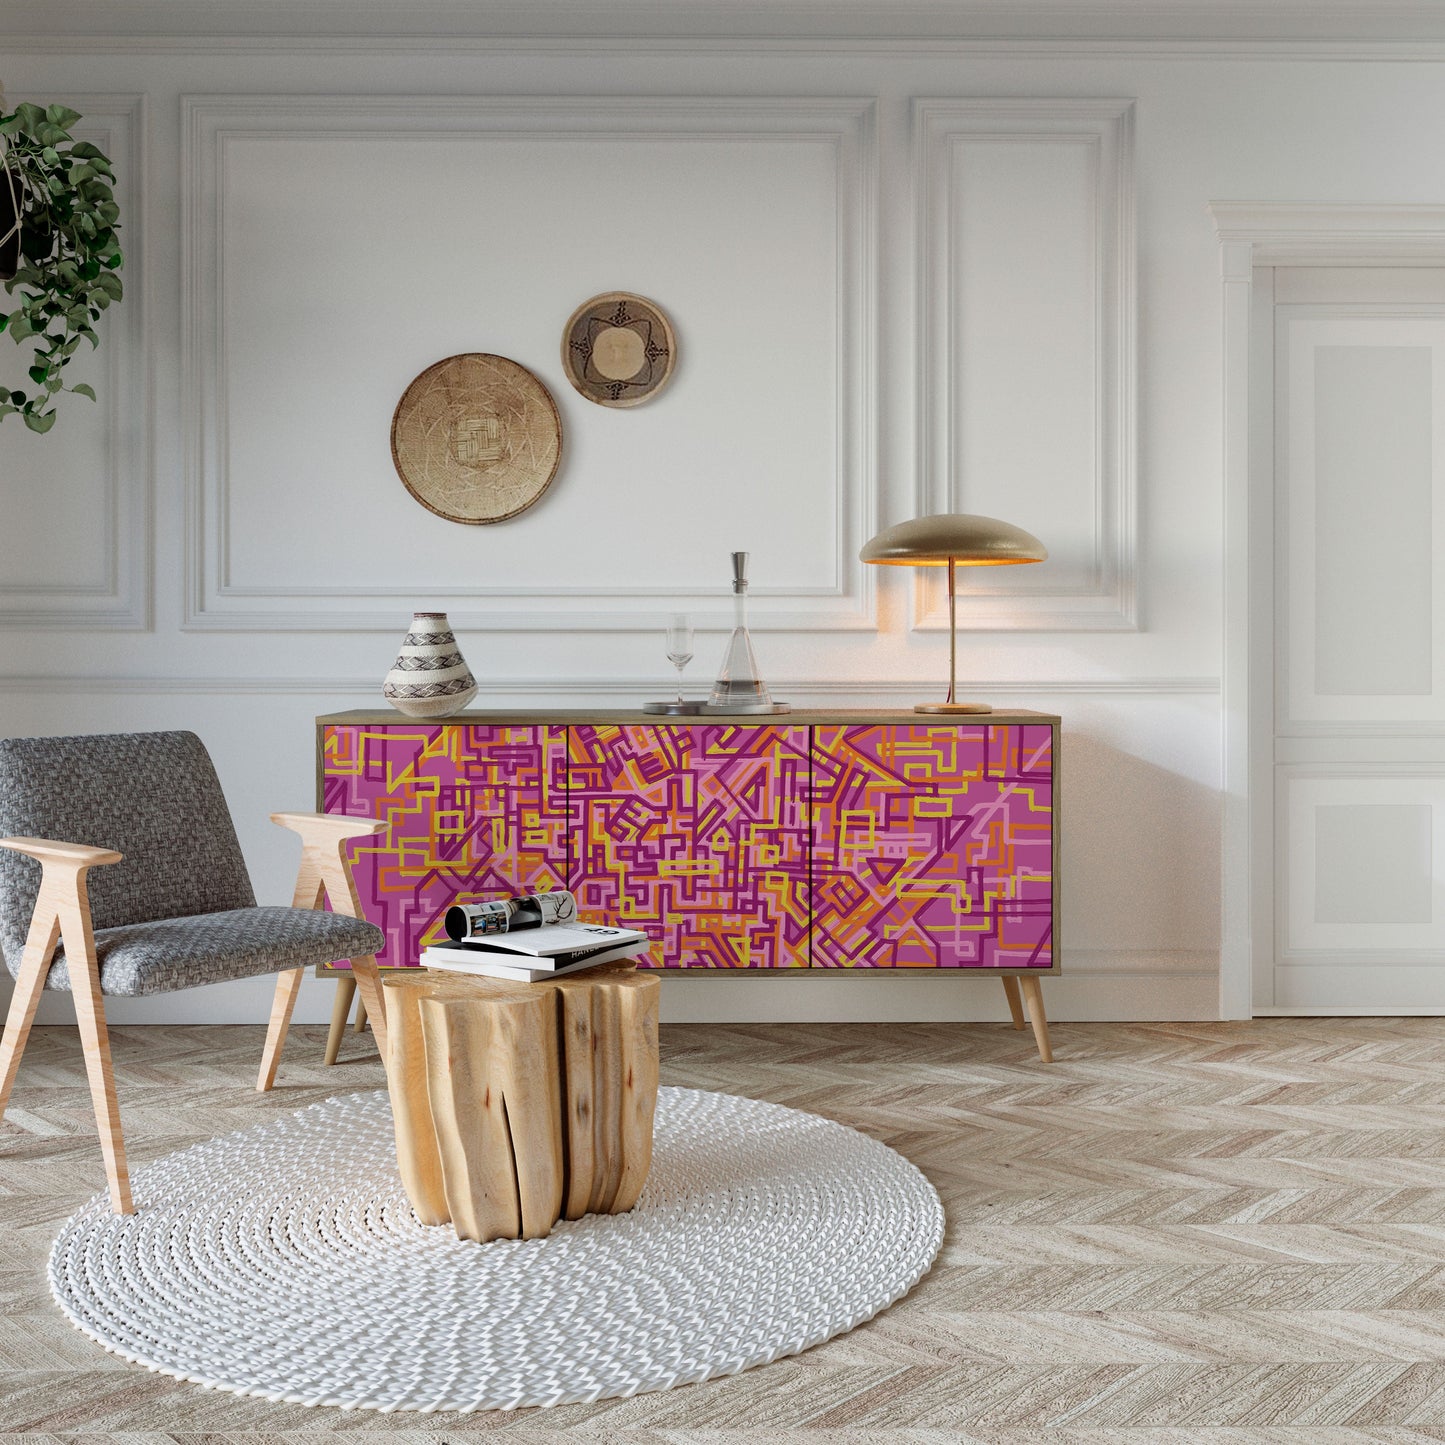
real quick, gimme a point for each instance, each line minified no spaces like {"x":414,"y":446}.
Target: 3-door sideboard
{"x":825,"y":841}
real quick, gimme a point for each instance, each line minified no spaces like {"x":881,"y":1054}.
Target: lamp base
{"x":952,"y":707}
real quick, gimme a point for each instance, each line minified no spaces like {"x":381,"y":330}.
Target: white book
{"x":552,"y":939}
{"x":459,"y":958}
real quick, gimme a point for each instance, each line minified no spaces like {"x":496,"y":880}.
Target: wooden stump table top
{"x":518,"y":1104}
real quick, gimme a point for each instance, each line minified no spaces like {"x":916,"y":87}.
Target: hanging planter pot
{"x":58,"y":190}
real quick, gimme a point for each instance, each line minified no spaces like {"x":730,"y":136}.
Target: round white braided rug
{"x":284,"y":1261}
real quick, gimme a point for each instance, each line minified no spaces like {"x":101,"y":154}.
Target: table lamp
{"x":953,"y":539}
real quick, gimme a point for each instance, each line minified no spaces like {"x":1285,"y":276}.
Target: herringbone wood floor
{"x":1188,"y":1233}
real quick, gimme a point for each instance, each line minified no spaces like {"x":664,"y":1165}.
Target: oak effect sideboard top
{"x":825,"y":840}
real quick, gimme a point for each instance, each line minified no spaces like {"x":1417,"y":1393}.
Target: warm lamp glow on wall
{"x":953,"y":539}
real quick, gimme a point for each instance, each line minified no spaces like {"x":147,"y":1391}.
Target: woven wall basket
{"x":476,"y":438}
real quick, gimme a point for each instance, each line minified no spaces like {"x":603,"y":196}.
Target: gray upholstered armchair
{"x":170,"y":905}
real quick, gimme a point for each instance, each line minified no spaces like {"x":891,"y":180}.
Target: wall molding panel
{"x":1365,"y":893}
{"x":1325,"y":233}
{"x":120,"y":599}
{"x":1317,"y":601}
{"x":1049,"y":183}
{"x":216,"y":600}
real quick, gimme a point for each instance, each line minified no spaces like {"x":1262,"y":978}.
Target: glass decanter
{"x":739,"y":687}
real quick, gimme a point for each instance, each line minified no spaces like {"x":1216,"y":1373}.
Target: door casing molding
{"x":1255,"y":234}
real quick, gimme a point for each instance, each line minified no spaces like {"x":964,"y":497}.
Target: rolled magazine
{"x":466,"y":921}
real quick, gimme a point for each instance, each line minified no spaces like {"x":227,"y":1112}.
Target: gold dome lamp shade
{"x":953,"y":540}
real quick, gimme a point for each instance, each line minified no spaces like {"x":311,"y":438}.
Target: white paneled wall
{"x":921,"y":277}
{"x":1026,"y":319}
{"x":763,"y":267}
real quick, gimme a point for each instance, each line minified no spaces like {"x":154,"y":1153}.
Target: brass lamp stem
{"x":952,"y":705}
{"x":952,"y":632}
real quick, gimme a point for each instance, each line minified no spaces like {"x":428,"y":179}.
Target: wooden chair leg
{"x":34,"y":965}
{"x":62,"y":911}
{"x":368,"y":981}
{"x":326,"y":873}
{"x":1015,"y":1003}
{"x":95,"y":1043}
{"x":283,"y":1004}
{"x":1034,"y":993}
{"x":361,"y":1016}
{"x":340,"y":1012}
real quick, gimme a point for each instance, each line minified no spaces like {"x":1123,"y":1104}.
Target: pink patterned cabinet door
{"x":472,"y":811}
{"x":699,"y":835}
{"x":933,"y":846}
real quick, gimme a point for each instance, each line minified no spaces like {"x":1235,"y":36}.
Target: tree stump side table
{"x":519,"y":1104}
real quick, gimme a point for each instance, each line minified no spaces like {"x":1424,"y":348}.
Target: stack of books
{"x":529,"y":939}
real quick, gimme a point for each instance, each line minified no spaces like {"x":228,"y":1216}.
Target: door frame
{"x":1255,"y":234}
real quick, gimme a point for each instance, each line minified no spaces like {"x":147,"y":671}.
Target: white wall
{"x":881,"y":308}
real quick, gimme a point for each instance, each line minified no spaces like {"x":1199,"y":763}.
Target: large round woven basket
{"x":476,"y":438}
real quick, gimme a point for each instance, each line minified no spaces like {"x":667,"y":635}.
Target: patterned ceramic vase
{"x":430,"y":677}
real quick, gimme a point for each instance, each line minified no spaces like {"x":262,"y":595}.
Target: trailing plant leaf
{"x":69,"y":249}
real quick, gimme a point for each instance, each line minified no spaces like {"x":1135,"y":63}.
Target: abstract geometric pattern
{"x":472,"y":812}
{"x":698,"y":835}
{"x":932,"y":846}
{"x":886,"y":845}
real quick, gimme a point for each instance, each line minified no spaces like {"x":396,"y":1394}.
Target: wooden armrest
{"x":328,"y":827}
{"x":73,"y":855}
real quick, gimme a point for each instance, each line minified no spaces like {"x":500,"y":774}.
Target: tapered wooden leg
{"x":283,"y":1002}
{"x":368,"y":981}
{"x":34,"y":965}
{"x":340,"y":1011}
{"x":361,"y":1015}
{"x":1035,"y":996}
{"x":95,"y":1043}
{"x":1015,"y":1003}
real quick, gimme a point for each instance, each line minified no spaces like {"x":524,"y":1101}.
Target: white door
{"x":1359,"y":643}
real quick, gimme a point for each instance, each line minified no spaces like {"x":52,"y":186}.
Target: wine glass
{"x":679,"y":645}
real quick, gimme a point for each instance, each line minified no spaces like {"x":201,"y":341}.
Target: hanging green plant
{"x":60,"y":191}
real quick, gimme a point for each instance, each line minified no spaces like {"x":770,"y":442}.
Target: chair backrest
{"x":154,"y":797}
